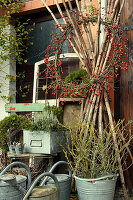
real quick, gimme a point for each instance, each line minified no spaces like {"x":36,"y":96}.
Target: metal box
{"x":41,"y":142}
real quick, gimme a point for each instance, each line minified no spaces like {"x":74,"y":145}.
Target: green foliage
{"x":24,"y":91}
{"x":77,"y":84}
{"x":92,"y":9}
{"x":48,"y":119}
{"x":91,"y":155}
{"x":14,"y":36}
{"x":8,"y":3}
{"x":13,"y":39}
{"x":9,"y":41}
{"x":8,"y":125}
{"x":79,"y":75}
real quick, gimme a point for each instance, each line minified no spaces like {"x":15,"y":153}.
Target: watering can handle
{"x":52,"y":169}
{"x":19,"y":164}
{"x":37,"y":179}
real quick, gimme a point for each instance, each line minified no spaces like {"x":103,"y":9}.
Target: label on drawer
{"x":36,"y":143}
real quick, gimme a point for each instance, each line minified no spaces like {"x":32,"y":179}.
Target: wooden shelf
{"x":31,"y":157}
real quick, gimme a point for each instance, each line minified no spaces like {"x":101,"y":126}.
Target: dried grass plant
{"x":96,"y":156}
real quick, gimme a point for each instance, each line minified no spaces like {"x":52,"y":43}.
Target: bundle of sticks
{"x":95,"y":54}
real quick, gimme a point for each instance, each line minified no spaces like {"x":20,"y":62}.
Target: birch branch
{"x":109,"y":5}
{"x":92,"y":105}
{"x":101,"y":52}
{"x":96,"y":51}
{"x":77,"y":3}
{"x":100,"y":120}
{"x":70,"y":5}
{"x":86,"y":106}
{"x":114,"y":9}
{"x":96,"y":110}
{"x":61,"y":13}
{"x":80,"y":58}
{"x":122,"y":5}
{"x":107,"y":54}
{"x":89,"y":32}
{"x":80,"y":40}
{"x":112,"y":5}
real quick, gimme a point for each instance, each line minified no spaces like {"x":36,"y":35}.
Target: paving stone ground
{"x":118,"y":195}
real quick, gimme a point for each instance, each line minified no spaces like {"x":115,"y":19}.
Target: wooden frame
{"x":36,"y":71}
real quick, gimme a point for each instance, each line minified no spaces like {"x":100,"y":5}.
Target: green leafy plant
{"x":76,"y":84}
{"x":9,"y":125}
{"x":91,"y":155}
{"x":79,"y":75}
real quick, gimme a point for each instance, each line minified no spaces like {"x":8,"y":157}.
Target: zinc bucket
{"x":102,"y":188}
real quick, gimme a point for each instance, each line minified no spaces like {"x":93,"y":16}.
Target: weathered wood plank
{"x":24,"y":107}
{"x":126,"y":82}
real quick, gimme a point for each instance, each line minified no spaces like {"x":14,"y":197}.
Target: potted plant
{"x":10,"y":128}
{"x":45,"y":133}
{"x":94,"y":160}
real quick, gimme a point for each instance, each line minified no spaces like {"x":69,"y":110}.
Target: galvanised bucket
{"x":102,"y":188}
{"x":63,"y":179}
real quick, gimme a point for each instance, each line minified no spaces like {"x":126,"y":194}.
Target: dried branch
{"x":61,"y":13}
{"x":121,"y":7}
{"x":114,"y":9}
{"x":96,"y":51}
{"x":70,"y":5}
{"x":73,"y":46}
{"x":107,"y":54}
{"x":109,"y":5}
{"x":96,"y":109}
{"x":100,"y":120}
{"x":77,"y":3}
{"x":79,"y":39}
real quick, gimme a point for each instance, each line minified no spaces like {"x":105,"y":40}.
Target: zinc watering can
{"x":12,"y":187}
{"x":43,"y":192}
{"x":63,"y":179}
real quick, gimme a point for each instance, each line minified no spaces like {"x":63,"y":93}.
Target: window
{"x":41,"y":38}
